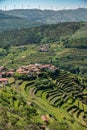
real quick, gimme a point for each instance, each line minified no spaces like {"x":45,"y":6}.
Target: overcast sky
{"x":42,"y":4}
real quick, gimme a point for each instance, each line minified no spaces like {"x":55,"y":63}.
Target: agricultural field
{"x":60,"y":95}
{"x":70,"y":59}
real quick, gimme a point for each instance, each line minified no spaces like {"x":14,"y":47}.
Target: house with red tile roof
{"x":44,"y":118}
{"x":3,"y":81}
{"x":10,"y":74}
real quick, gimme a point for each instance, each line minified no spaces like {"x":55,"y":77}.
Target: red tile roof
{"x":10,"y":72}
{"x":3,"y":79}
{"x":44,"y":118}
{"x":36,"y":68}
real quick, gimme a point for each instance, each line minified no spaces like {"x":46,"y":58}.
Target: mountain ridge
{"x":34,"y":17}
{"x":51,"y":16}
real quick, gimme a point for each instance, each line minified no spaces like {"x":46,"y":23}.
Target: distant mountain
{"x":8,"y":22}
{"x":35,"y":17}
{"x":50,"y":16}
{"x":3,"y":16}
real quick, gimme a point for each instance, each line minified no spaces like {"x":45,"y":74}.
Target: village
{"x":5,"y":73}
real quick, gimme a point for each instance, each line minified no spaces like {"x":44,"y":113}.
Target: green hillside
{"x":59,"y":95}
{"x":16,"y":23}
{"x":8,"y":22}
{"x":67,"y":46}
{"x":43,"y":34}
{"x":50,"y":98}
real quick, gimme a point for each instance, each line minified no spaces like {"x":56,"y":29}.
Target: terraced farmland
{"x":64,"y":94}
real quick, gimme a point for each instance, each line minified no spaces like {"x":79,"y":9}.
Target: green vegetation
{"x":60,"y":95}
{"x":62,"y":99}
{"x":43,"y":34}
{"x":67,"y":49}
{"x":15,"y":113}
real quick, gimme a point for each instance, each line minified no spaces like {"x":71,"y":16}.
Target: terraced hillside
{"x":60,"y":95}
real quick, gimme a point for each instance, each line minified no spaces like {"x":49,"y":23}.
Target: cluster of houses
{"x":44,"y":48}
{"x":35,"y":68}
{"x":5,"y":73}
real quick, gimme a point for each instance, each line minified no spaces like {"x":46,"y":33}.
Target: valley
{"x":43,"y":77}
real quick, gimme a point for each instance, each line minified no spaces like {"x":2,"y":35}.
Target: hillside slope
{"x":8,"y":22}
{"x":65,"y":46}
{"x":36,"y":17}
{"x":56,"y":95}
{"x":4,"y":16}
{"x":44,"y":34}
{"x":50,"y":16}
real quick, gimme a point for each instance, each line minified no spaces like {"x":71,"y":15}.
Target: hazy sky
{"x":42,"y":4}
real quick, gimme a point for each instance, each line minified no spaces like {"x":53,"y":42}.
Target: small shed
{"x":45,"y":118}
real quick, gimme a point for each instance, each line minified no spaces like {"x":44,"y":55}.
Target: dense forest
{"x":62,"y":32}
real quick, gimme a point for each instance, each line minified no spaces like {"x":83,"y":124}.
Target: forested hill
{"x":63,"y":32}
{"x":8,"y":22}
{"x":35,"y":17}
{"x":4,"y":16}
{"x":50,"y":16}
